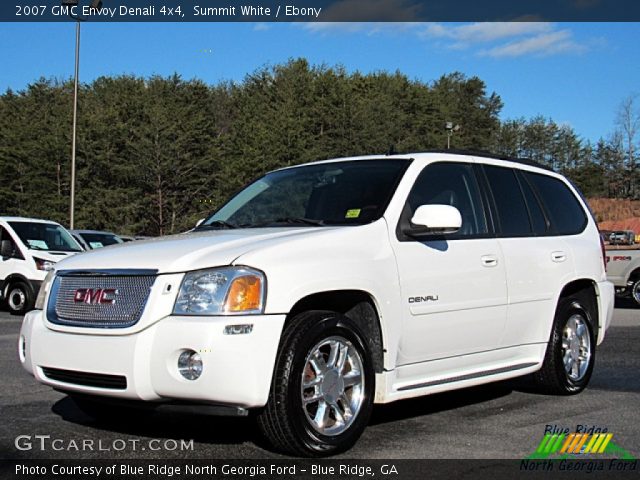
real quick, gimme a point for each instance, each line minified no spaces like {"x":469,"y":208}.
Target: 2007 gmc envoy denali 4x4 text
{"x":321,"y":289}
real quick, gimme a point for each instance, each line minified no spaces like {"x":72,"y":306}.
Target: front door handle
{"x":558,"y":256}
{"x":489,"y":260}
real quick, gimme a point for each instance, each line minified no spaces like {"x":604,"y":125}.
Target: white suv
{"x":321,"y":289}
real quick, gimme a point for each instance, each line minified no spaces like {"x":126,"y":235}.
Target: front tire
{"x":322,"y":392}
{"x":571,"y":351}
{"x":19,"y":298}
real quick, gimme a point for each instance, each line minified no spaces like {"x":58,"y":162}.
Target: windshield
{"x":98,"y":240}
{"x":338,"y":193}
{"x":45,"y":236}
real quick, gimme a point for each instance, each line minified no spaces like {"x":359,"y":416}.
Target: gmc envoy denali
{"x":321,"y":289}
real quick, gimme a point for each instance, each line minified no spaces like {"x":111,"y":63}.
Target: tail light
{"x":604,"y":253}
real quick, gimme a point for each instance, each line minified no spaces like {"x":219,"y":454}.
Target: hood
{"x":183,"y":252}
{"x":54,"y":256}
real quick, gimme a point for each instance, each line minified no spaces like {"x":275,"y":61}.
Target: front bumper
{"x":237,"y":369}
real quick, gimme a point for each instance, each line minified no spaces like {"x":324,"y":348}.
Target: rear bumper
{"x":606,"y":301}
{"x":237,"y":369}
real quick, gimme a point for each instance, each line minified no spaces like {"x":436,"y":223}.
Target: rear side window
{"x":538,"y":220}
{"x":565,"y":213}
{"x":512,"y":209}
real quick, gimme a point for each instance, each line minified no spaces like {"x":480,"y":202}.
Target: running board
{"x":469,"y":376}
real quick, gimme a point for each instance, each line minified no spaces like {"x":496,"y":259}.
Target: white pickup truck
{"x":321,"y":289}
{"x":623,"y":270}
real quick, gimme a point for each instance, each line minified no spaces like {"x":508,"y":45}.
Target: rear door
{"x":538,"y":260}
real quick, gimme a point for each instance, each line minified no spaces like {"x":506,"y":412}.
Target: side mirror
{"x":435,"y":220}
{"x":6,"y":249}
{"x":199,"y":222}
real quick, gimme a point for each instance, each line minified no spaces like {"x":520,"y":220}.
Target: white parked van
{"x":321,"y":289}
{"x":29,"y":248}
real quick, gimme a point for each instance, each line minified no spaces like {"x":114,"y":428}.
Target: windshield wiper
{"x":215,"y":225}
{"x":36,"y":247}
{"x":291,"y":221}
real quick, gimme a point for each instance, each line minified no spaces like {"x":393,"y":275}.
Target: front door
{"x":453,"y":286}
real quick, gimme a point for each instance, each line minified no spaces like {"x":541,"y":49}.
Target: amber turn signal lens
{"x":245,"y":294}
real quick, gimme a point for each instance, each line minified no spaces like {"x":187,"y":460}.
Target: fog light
{"x":22,"y":349}
{"x":190,"y":365}
{"x":238,"y":329}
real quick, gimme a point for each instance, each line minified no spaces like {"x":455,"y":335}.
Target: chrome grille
{"x":132,"y":294}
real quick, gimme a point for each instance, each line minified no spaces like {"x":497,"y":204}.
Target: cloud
{"x":261,"y":27}
{"x":369,"y":28}
{"x":545,"y":44}
{"x":484,"y":31}
{"x":505,"y":39}
{"x":486,"y":39}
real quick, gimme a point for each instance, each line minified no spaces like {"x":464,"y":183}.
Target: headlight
{"x":42,"y":264}
{"x":44,"y":289}
{"x":221,"y":291}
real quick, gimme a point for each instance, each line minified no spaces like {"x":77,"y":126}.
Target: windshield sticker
{"x":38,"y":244}
{"x":96,"y":245}
{"x":353,"y":213}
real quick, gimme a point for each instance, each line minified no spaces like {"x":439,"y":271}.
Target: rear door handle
{"x":489,"y":260}
{"x":558,"y":257}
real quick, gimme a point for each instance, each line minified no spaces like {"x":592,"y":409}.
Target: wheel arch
{"x":590,"y":288}
{"x":359,"y":306}
{"x":13,"y":278}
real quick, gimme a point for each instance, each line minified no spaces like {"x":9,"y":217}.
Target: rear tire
{"x":635,"y":292}
{"x":322,"y":390}
{"x":19,"y":298}
{"x":571,"y":351}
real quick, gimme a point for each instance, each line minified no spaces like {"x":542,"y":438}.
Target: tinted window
{"x":337,"y":193}
{"x":451,"y":184}
{"x":538,"y":220}
{"x":512,"y":210}
{"x":565,"y":212}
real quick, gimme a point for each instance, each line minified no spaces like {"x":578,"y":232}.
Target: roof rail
{"x":482,"y":153}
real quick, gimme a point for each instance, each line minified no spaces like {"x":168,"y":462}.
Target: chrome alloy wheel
{"x":576,"y":347}
{"x":16,"y":299}
{"x":635,"y":292}
{"x":332,"y":388}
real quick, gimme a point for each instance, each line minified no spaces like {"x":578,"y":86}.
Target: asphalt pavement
{"x":490,"y":422}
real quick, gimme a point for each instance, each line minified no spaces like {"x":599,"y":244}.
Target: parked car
{"x":321,"y":289}
{"x":29,"y":248}
{"x":92,"y":239}
{"x":624,"y":272}
{"x":622,"y":237}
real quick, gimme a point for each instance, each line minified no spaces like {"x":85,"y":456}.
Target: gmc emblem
{"x":96,"y":296}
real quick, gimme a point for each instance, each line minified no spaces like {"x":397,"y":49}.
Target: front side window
{"x":45,"y":236}
{"x":337,"y":193}
{"x":453,"y":184}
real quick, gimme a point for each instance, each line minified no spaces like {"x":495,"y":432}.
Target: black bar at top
{"x":327,"y":11}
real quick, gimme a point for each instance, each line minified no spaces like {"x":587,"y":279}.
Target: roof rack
{"x":481,"y":153}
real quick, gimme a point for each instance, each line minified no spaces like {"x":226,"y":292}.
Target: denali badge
{"x":96,"y":296}
{"x":428,"y":298}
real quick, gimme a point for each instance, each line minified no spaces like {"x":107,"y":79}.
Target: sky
{"x":573,"y":73}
